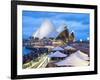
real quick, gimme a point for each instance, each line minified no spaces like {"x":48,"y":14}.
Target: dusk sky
{"x":79,"y":23}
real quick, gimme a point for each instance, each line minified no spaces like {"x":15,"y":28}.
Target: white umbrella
{"x":49,"y":55}
{"x":82,"y":55}
{"x":72,"y":60}
{"x":69,"y":48}
{"x":57,"y":54}
{"x":58,"y":49}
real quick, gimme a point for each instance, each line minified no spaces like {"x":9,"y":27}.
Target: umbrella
{"x":69,"y":48}
{"x":73,"y":60}
{"x":57,"y":54}
{"x":58,"y":49}
{"x":82,"y":55}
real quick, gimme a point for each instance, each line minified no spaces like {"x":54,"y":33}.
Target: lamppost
{"x":80,"y":40}
{"x":88,"y":38}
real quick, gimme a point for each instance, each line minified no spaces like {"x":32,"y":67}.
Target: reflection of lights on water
{"x":80,"y":40}
{"x":88,"y":38}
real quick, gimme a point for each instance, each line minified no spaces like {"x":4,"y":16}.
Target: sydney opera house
{"x":48,"y":47}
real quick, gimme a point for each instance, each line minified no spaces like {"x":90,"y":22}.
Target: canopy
{"x":57,"y":54}
{"x":58,"y":49}
{"x":72,"y":60}
{"x":82,"y":55}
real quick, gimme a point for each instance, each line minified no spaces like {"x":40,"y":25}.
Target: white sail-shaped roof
{"x":37,"y":33}
{"x":73,"y":60}
{"x":82,"y":55}
{"x":57,"y":54}
{"x":54,"y":34}
{"x":58,"y":49}
{"x":61,"y":28}
{"x":45,"y":29}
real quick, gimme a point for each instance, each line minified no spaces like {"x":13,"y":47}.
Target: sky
{"x":79,"y":23}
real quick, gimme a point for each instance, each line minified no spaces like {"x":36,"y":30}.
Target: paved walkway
{"x":37,"y":64}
